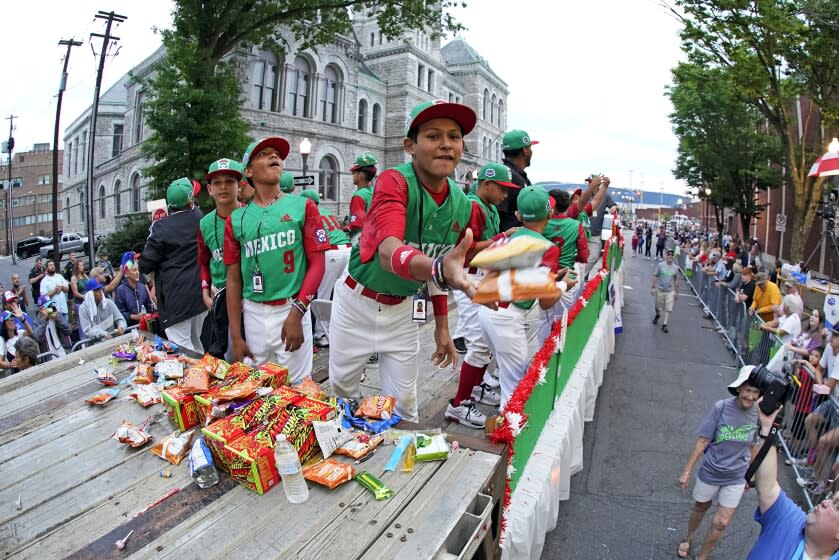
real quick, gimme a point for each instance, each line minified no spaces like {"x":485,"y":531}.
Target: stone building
{"x":31,"y":194}
{"x":351,"y":96}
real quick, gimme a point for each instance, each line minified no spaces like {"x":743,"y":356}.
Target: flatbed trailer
{"x":80,"y":491}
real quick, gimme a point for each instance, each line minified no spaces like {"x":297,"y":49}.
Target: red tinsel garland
{"x":515,"y":405}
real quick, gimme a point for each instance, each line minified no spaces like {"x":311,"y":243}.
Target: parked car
{"x":25,"y":248}
{"x":69,"y":242}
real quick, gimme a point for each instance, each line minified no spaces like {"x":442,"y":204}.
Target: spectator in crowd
{"x":26,"y":353}
{"x":517,"y":147}
{"x":56,"y":287}
{"x":804,"y":401}
{"x":747,"y":289}
{"x":726,"y":445}
{"x":787,"y":327}
{"x":822,"y":423}
{"x":639,"y":231}
{"x":49,"y":330}
{"x":733,"y":275}
{"x":766,"y":297}
{"x":20,"y":291}
{"x":170,"y":254}
{"x":70,"y":266}
{"x":98,"y":315}
{"x":22,"y":320}
{"x":363,"y":171}
{"x":595,"y":241}
{"x":132,"y":297}
{"x":791,"y":289}
{"x":35,"y":276}
{"x":104,"y":263}
{"x":786,"y":531}
{"x":813,"y":335}
{"x":660,"y":240}
{"x":648,"y":241}
{"x":78,"y":281}
{"x":634,"y":243}
{"x":109,"y":283}
{"x":273,"y":283}
{"x":665,"y":289}
{"x":775,"y":273}
{"x":753,"y":259}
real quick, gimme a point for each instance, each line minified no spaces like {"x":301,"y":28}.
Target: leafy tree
{"x":131,"y":235}
{"x":723,"y":144}
{"x":774,"y":52}
{"x":193,"y":99}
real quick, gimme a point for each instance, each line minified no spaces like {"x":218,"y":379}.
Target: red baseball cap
{"x":577,"y":192}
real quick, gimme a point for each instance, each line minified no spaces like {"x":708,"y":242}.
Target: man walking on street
{"x":665,"y":289}
{"x":55,"y":286}
{"x":516,"y":146}
{"x":660,"y":240}
{"x":35,"y":276}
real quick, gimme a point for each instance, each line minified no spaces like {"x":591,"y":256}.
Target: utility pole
{"x":10,"y":145}
{"x":62,"y":85}
{"x":110,"y":18}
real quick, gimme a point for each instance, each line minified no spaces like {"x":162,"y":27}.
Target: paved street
{"x":626,"y":503}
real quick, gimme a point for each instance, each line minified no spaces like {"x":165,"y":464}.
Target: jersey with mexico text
{"x":336,"y":235}
{"x":212,"y":236}
{"x":564,"y":233}
{"x":432,"y":229}
{"x":273,"y":242}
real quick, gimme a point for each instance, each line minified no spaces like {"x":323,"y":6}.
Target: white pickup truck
{"x":69,"y":242}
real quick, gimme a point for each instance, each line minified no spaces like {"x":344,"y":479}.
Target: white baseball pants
{"x":263,"y":329}
{"x":188,"y":333}
{"x":361,"y":326}
{"x":505,"y":331}
{"x":478,"y":353}
{"x":336,"y":266}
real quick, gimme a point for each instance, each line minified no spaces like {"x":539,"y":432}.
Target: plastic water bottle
{"x":288,"y":465}
{"x":201,"y":465}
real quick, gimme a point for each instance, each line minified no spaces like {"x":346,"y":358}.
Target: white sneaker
{"x":321,"y":341}
{"x":466,"y":414}
{"x":485,"y":395}
{"x":491,"y":381}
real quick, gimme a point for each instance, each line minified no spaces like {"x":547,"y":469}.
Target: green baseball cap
{"x":533,"y":204}
{"x":287,"y":182}
{"x":516,"y":139}
{"x":499,"y":173}
{"x":437,"y":108}
{"x":181,"y":191}
{"x":280,"y":144}
{"x":365,"y":159}
{"x":225,"y":166}
{"x":309,"y":193}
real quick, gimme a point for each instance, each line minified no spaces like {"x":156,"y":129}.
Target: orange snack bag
{"x":196,"y":380}
{"x":329,"y":472}
{"x":145,"y":374}
{"x":310,"y":388}
{"x":517,"y":285}
{"x":174,"y":447}
{"x":376,"y":406}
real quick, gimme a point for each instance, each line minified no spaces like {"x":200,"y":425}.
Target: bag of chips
{"x":146,"y":395}
{"x":169,"y":369}
{"x":131,"y":434}
{"x":174,"y":447}
{"x":517,"y":285}
{"x":105,"y":376}
{"x":329,"y":472}
{"x":310,"y":388}
{"x":103,"y":396}
{"x":360,"y":445}
{"x":145,"y":374}
{"x":376,"y":406}
{"x":196,"y":380}
{"x":517,"y":252}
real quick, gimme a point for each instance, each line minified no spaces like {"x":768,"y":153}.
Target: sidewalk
{"x":626,"y":503}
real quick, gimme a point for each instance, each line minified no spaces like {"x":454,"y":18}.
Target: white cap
{"x":742,"y":377}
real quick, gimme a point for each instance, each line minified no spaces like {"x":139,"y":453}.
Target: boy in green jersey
{"x":363,"y":172}
{"x":273,"y":248}
{"x":410,"y":238}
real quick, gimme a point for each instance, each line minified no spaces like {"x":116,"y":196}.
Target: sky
{"x":586,"y":79}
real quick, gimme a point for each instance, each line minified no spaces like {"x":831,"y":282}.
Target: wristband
{"x":299,"y":306}
{"x":437,"y":274}
{"x":400,"y":261}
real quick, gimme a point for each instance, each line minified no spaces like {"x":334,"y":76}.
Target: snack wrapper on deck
{"x":431,"y":447}
{"x":516,"y":252}
{"x":174,"y":447}
{"x":329,"y":473}
{"x":376,"y":486}
{"x":102,"y":396}
{"x":517,"y":285}
{"x":106,"y":377}
{"x":131,"y":434}
{"x":376,"y":406}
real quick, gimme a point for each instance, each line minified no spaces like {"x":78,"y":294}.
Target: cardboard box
{"x":295,"y":422}
{"x":182,"y":409}
{"x":278,"y":373}
{"x":251,"y":464}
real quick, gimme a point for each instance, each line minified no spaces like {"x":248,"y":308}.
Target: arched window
{"x":264,"y":78}
{"x":66,"y":211}
{"x":117,"y":198}
{"x":329,"y":94}
{"x":501,"y":113}
{"x":362,"y":115}
{"x":101,"y":202}
{"x":485,"y":114}
{"x":83,"y":207}
{"x":135,"y":193}
{"x":328,"y":178}
{"x":492,"y":110}
{"x":139,"y":117}
{"x":298,"y":88}
{"x":497,"y":151}
{"x":377,"y":118}
{"x":485,"y":148}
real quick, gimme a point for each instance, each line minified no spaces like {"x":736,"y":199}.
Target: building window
{"x":139,"y":107}
{"x":329,"y":95}
{"x":83,"y":207}
{"x":492,"y":109}
{"x":420,"y":76}
{"x":116,"y":147}
{"x":84,"y":149}
{"x":67,"y":211}
{"x":76,"y":158}
{"x":485,"y":112}
{"x":377,"y":118}
{"x":135,"y":193}
{"x":298,"y":88}
{"x":264,"y":76}
{"x":497,"y":151}
{"x":484,"y":148}
{"x":328,"y":178}
{"x":101,"y":202}
{"x":372,"y":39}
{"x":500,"y":113}
{"x":117,"y":198}
{"x":362,"y":115}
{"x":44,"y":180}
{"x":430,"y":81}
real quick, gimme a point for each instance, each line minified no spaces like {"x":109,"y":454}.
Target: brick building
{"x":31,"y":194}
{"x":351,"y":96}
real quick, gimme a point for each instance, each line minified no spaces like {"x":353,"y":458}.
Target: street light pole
{"x":305,"y":149}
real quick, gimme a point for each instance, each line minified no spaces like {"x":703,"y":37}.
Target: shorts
{"x":726,"y":496}
{"x":829,"y":412}
{"x":664,"y":300}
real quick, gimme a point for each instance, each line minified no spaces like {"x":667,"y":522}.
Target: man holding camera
{"x":786,"y":531}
